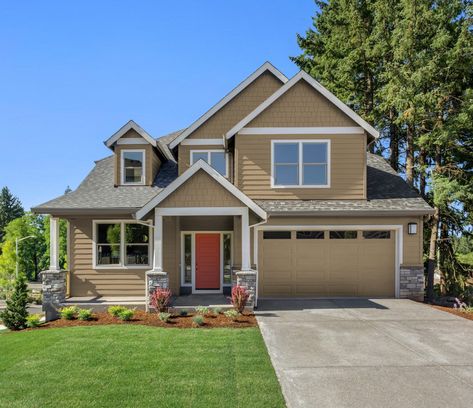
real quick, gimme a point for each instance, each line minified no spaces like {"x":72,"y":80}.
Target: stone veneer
{"x":247,"y":279}
{"x":155,"y":280}
{"x":54,"y":292}
{"x":412,"y":282}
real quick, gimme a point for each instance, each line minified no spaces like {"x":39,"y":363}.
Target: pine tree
{"x":10,"y":208}
{"x":16,"y":312}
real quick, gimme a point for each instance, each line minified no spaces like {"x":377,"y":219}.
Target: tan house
{"x":272,"y":188}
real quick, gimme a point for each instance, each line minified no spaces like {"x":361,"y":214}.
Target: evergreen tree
{"x":10,"y":208}
{"x":16,"y":312}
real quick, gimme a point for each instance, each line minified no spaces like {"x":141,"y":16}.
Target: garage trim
{"x":397,"y":228}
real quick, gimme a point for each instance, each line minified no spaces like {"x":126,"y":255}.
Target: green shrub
{"x":217,"y":310}
{"x":16,"y":312}
{"x":232,"y":314}
{"x":165,"y":317}
{"x":116,"y":310}
{"x":69,"y":313}
{"x":33,"y":320}
{"x":203,"y":310}
{"x":84,"y":314}
{"x":183,"y":312}
{"x":198,"y":320}
{"x":126,"y":314}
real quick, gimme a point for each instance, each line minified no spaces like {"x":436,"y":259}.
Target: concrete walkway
{"x":368,"y":353}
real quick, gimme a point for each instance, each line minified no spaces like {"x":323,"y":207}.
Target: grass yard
{"x":136,"y":366}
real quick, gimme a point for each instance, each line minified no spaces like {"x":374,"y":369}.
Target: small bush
{"x":161,"y":299}
{"x":126,"y":314}
{"x":239,"y":298}
{"x":69,"y":313}
{"x":183,"y":312}
{"x":198,"y":320}
{"x":165,"y":317}
{"x":217,"y":310}
{"x":116,"y":310}
{"x":232,"y":314}
{"x":33,"y":320}
{"x":84,"y":314}
{"x":203,"y":310}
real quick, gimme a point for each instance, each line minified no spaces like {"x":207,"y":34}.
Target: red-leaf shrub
{"x":161,"y":299}
{"x":239,"y":298}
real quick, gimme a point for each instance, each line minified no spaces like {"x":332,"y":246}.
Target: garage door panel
{"x":311,"y":290}
{"x":277,"y":290}
{"x":341,"y":289}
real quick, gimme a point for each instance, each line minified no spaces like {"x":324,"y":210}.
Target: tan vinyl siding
{"x":240,"y":106}
{"x":201,"y":190}
{"x":347,"y":159}
{"x":301,"y":106}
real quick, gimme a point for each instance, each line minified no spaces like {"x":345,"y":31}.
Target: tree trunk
{"x":393,"y":141}
{"x":432,"y":254}
{"x":410,"y":156}
{"x":422,"y":176}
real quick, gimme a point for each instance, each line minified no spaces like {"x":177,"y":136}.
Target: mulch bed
{"x":456,"y":312}
{"x":152,"y":319}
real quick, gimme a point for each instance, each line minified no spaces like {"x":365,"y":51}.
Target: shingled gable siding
{"x":240,"y":106}
{"x":87,"y":281}
{"x":152,"y":161}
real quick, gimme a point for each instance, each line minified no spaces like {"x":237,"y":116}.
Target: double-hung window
{"x":216,"y":158}
{"x":121,"y":244}
{"x":132,"y":166}
{"x":300,"y":163}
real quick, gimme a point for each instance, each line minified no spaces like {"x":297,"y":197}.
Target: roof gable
{"x":130,"y":125}
{"x":266,"y":67}
{"x":303,"y":76}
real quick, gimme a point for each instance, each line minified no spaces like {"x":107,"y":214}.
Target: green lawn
{"x":136,"y":366}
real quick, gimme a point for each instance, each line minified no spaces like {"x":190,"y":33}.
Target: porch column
{"x":245,"y":241}
{"x":54,"y":244}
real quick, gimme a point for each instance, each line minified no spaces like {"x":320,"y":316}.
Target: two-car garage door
{"x":305,"y":263}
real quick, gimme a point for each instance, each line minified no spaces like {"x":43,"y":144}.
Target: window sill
{"x":301,"y":186}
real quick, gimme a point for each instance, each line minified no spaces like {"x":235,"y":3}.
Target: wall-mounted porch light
{"x":412,"y":228}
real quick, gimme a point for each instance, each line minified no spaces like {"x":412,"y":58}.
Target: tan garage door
{"x":326,"y":263}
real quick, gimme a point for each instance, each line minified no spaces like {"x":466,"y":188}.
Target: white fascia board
{"x":203,"y":142}
{"x":200,"y":165}
{"x":128,"y":126}
{"x":311,"y":81}
{"x":335,"y":130}
{"x":267,"y":66}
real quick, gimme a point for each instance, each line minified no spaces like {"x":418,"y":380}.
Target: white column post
{"x":158,"y":242}
{"x":245,"y":241}
{"x":54,"y":244}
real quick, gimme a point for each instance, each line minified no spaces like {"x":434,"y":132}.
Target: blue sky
{"x":72,"y":73}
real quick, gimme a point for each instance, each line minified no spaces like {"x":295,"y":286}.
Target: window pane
{"x":133,"y":166}
{"x":188,"y":259}
{"x":343,"y":234}
{"x":227,"y":258}
{"x":376,"y":234}
{"x":218,"y":162}
{"x":314,"y":152}
{"x":108,"y":233}
{"x":310,"y":235}
{"x":136,"y":234}
{"x":108,"y":254}
{"x":133,"y":159}
{"x":286,"y":153}
{"x":196,"y":156}
{"x":314,"y":174}
{"x":136,"y":255}
{"x":286,"y":175}
{"x":133,"y":175}
{"x":276,"y":234}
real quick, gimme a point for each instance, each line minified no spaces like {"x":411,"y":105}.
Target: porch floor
{"x":217,"y":300}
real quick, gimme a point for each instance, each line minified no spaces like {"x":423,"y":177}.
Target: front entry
{"x":207,"y":261}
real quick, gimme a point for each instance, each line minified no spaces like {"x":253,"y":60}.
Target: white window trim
{"x":122,"y":167}
{"x":208,"y":151}
{"x":301,"y":164}
{"x":122,"y":244}
{"x":192,"y":284}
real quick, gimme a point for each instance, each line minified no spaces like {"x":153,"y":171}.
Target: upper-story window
{"x":300,"y":163}
{"x":133,"y":166}
{"x":216,"y":158}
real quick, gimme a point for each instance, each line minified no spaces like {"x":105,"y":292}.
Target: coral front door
{"x":207,"y":261}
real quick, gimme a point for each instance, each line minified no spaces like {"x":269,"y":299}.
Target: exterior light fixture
{"x":412,"y":228}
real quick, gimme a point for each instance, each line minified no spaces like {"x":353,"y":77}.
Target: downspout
{"x":255,"y":254}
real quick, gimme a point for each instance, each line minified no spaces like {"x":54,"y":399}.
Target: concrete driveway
{"x":368,"y":353}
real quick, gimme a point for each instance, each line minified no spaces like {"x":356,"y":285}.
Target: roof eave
{"x":352,"y":213}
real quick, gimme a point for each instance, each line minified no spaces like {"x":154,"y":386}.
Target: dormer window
{"x":216,"y":158}
{"x":133,"y":166}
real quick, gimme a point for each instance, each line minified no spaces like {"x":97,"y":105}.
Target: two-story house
{"x":272,"y":188}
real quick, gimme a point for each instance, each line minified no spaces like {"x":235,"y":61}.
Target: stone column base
{"x":54,"y":292}
{"x":247,"y":279}
{"x":155,"y":279}
{"x":412,"y":282}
